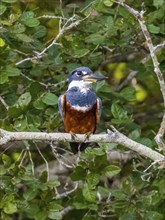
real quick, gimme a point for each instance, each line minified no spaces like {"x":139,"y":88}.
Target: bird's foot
{"x":73,"y":136}
{"x":87,"y":135}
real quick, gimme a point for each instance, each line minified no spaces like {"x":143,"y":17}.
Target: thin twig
{"x":52,"y":17}
{"x":4,"y":103}
{"x":58,"y":157}
{"x":66,"y":193}
{"x":48,"y":85}
{"x":46,"y":162}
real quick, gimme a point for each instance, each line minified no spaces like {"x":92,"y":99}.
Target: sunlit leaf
{"x":10,"y":208}
{"x":6,"y":160}
{"x":54,"y":215}
{"x":108,"y":3}
{"x":111,"y":170}
{"x":24,"y":99}
{"x":89,"y":194}
{"x":93,"y":179}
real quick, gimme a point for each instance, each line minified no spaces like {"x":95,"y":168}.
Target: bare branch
{"x":113,"y":136}
{"x":130,"y":76}
{"x":139,"y":16}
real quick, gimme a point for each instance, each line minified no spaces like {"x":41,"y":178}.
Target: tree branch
{"x":113,"y":136}
{"x":152,"y":49}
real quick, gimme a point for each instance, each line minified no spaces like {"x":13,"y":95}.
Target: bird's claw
{"x":73,"y":136}
{"x":87,"y":135}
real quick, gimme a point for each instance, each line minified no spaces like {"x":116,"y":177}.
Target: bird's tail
{"x":76,"y":147}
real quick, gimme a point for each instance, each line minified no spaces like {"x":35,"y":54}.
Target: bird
{"x":79,"y":106}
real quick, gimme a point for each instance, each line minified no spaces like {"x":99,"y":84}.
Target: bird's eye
{"x":79,"y":73}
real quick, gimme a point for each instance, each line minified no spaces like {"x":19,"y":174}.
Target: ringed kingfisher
{"x":79,"y":106}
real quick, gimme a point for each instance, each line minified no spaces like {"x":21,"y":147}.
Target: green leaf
{"x":9,"y":1}
{"x":158,"y":3}
{"x":6,"y":160}
{"x":153,"y":215}
{"x":18,"y":28}
{"x":24,"y":99}
{"x":2,"y":42}
{"x":124,"y":121}
{"x":24,"y":38}
{"x":129,"y":216}
{"x":54,"y":206}
{"x":135,"y":134}
{"x":110,"y":23}
{"x":2,"y":171}
{"x":95,"y":38}
{"x":145,"y":141}
{"x":93,"y":179}
{"x":108,"y":3}
{"x":104,"y":191}
{"x":89,"y":194}
{"x":118,"y":112}
{"x":54,"y":215}
{"x":42,"y":215}
{"x":52,"y":184}
{"x":40,"y":31}
{"x":111,"y":170}
{"x":10,"y":208}
{"x":30,"y":193}
{"x":128,"y":93}
{"x":3,"y":77}
{"x":32,"y":209}
{"x":44,"y":176}
{"x":2,"y":9}
{"x":81,"y":53}
{"x":153,"y":29}
{"x":79,"y":173}
{"x":50,"y":99}
{"x":12,"y":71}
{"x":38,"y":104}
{"x":27,"y":15}
{"x":32,"y":22}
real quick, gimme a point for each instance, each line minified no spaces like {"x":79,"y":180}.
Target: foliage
{"x":109,"y":41}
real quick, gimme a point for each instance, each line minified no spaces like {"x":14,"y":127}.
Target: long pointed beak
{"x":93,"y":78}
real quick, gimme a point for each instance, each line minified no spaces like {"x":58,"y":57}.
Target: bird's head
{"x":83,"y":77}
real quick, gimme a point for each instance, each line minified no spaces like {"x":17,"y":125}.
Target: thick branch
{"x":113,"y":136}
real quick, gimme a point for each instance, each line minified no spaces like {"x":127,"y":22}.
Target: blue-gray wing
{"x":61,"y":105}
{"x":99,"y":109}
